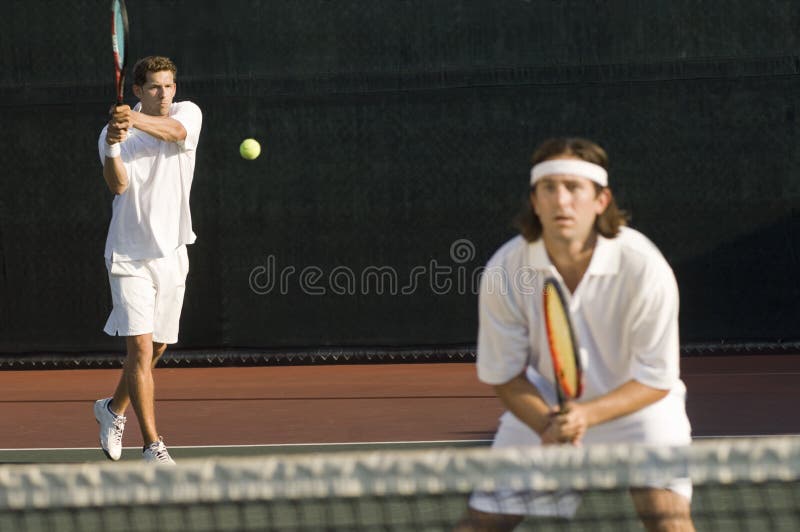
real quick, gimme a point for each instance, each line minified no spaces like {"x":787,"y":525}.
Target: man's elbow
{"x":501,"y":389}
{"x":117,"y":189}
{"x":509,"y":386}
{"x":652,"y":394}
{"x":178,"y":134}
{"x":660,"y":394}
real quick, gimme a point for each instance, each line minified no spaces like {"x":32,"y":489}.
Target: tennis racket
{"x":119,"y":44}
{"x":564,"y":349}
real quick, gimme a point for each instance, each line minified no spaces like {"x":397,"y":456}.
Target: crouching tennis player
{"x":623,"y":301}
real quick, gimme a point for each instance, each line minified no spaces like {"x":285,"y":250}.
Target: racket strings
{"x":563,"y":349}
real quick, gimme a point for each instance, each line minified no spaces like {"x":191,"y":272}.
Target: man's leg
{"x":121,"y":399}
{"x":136,"y":385}
{"x":662,"y":510}
{"x":112,"y":426}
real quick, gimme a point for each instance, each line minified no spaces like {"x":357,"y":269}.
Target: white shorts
{"x":633,"y":429}
{"x":148,"y":296}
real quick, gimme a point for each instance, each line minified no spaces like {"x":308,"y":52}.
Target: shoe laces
{"x":159,"y":451}
{"x":118,"y":426}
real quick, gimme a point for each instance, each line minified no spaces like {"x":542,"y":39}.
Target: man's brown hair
{"x":607,"y":224}
{"x":153,"y":63}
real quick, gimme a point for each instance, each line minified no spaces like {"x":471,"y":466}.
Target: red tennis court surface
{"x":737,"y":395}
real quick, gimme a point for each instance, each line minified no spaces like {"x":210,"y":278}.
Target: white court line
{"x":744,"y":436}
{"x":273,"y":445}
{"x":344,"y":444}
{"x":358,"y":444}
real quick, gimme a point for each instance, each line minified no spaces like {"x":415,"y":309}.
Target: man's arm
{"x":161,"y":127}
{"x":627,"y":399}
{"x":113,"y":170}
{"x":631,"y":397}
{"x":523,"y":399}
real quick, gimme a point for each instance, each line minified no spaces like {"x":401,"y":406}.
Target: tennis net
{"x":739,"y":484}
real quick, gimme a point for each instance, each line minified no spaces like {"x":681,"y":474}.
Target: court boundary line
{"x":270,"y":445}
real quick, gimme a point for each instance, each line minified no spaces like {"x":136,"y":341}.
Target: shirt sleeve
{"x":655,"y":340}
{"x":190,"y":116}
{"x":503,"y":344}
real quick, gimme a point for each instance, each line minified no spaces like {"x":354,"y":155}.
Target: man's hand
{"x":568,"y":426}
{"x":115,"y":134}
{"x":121,"y":117}
{"x":551,"y":436}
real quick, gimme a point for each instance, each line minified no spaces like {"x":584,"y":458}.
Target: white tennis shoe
{"x":111,"y":427}
{"x":157,"y":453}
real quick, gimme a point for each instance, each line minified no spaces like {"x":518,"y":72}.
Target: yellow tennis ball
{"x":249,"y":149}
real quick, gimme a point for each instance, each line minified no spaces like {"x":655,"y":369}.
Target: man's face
{"x":157,"y":93}
{"x":567,"y":206}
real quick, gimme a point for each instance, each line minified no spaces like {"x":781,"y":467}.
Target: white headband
{"x":585,"y":169}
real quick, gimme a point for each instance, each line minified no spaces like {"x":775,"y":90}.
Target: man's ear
{"x":137,"y":91}
{"x":603,"y":199}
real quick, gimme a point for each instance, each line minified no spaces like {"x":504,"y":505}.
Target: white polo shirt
{"x":624,"y":312}
{"x":152,"y":218}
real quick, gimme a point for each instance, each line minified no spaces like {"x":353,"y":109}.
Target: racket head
{"x":119,"y":44}
{"x":564,"y":350}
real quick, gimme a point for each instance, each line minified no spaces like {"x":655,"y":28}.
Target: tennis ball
{"x":249,"y":149}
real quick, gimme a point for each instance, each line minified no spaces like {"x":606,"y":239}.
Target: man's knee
{"x":140,"y":349}
{"x":158,"y":350}
{"x":663,"y":510}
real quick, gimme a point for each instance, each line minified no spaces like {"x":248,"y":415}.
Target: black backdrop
{"x":396,"y":138}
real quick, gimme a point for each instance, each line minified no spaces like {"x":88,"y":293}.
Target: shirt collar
{"x":605,"y":258}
